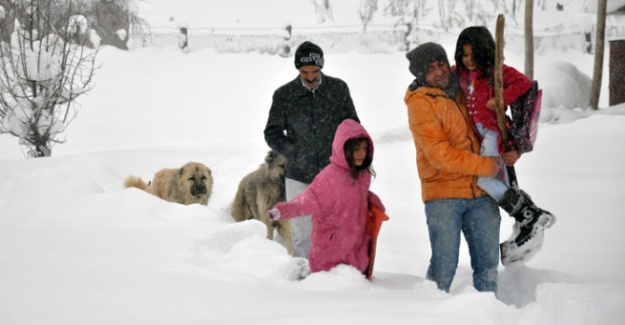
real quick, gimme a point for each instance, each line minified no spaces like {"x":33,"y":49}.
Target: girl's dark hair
{"x":349,"y":149}
{"x":483,"y":46}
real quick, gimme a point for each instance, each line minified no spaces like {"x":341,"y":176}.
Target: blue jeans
{"x":478,"y":219}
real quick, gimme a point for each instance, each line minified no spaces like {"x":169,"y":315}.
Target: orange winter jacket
{"x":448,"y":157}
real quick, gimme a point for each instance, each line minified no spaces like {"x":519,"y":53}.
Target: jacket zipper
{"x":468,"y":122}
{"x":469,"y":125}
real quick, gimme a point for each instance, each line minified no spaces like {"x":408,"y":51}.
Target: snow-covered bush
{"x":43,"y":69}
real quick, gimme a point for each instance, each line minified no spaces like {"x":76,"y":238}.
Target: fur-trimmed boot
{"x":528,"y":216}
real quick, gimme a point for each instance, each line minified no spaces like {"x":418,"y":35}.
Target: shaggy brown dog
{"x":258,"y":192}
{"x":189,"y":184}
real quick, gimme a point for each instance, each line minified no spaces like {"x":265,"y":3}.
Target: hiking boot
{"x":546,"y":218}
{"x":529,"y":218}
{"x":536,"y":220}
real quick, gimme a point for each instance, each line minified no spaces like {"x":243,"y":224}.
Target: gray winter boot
{"x":530,"y":219}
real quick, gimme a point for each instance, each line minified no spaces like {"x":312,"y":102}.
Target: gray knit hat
{"x":421,"y":56}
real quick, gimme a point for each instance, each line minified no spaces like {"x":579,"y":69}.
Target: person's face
{"x":467,"y":57}
{"x":360,"y":153}
{"x":438,"y":74}
{"x":310,"y":75}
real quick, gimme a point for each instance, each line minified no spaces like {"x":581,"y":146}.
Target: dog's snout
{"x":198,"y":189}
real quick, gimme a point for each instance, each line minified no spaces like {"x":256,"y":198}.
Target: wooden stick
{"x":501,"y":109}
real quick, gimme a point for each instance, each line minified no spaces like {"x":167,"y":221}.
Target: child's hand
{"x":491,"y":104}
{"x":273,"y":214}
{"x":510,"y":157}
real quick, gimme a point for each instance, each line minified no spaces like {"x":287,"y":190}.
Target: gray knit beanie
{"x":421,"y":56}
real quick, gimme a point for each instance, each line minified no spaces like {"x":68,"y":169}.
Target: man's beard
{"x":310,"y":83}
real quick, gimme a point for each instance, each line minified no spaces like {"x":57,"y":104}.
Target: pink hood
{"x":347,"y":129}
{"x":339,"y":208}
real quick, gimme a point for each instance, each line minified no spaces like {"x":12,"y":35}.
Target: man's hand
{"x":496,"y":167}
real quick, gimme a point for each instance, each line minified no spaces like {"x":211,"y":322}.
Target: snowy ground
{"x":76,"y":248}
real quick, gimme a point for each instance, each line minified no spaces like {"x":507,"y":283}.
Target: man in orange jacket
{"x":448,"y":162}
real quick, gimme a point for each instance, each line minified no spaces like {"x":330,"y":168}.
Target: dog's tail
{"x":239,"y":207}
{"x":133,"y":181}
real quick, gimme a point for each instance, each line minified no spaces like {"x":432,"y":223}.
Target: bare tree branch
{"x":44,"y":68}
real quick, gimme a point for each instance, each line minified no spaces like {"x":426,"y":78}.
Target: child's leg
{"x":495,"y":187}
{"x":517,"y":203}
{"x":300,"y":227}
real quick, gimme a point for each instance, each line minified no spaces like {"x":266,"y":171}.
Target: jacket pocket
{"x":329,"y":240}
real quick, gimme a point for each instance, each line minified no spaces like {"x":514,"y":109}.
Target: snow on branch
{"x":44,"y":68}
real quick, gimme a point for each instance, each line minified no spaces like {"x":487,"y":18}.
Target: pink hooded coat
{"x":339,"y":208}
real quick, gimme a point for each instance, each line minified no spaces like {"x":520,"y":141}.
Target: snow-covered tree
{"x":323,"y":9}
{"x":44,"y":67}
{"x":366,"y":10}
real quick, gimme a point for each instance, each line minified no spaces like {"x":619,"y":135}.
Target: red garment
{"x":478,"y":90}
{"x":339,"y":208}
{"x":374,"y":223}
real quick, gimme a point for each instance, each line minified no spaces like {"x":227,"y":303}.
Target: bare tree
{"x":445,"y":13}
{"x":397,"y":8}
{"x":469,"y":8}
{"x":43,"y":69}
{"x":599,"y":49}
{"x":323,"y":9}
{"x":529,"y":39}
{"x":366,"y":10}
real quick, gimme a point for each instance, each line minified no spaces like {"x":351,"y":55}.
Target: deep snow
{"x":77,"y":248}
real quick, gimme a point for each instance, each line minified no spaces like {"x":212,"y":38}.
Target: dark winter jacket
{"x":302,"y":123}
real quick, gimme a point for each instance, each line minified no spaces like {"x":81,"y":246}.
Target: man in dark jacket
{"x":303,"y":118}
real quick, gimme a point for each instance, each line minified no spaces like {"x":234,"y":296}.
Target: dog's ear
{"x":269,"y":157}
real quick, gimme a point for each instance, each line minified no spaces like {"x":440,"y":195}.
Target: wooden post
{"x":529,"y":39}
{"x":595,"y":90}
{"x":183,"y":39}
{"x":617,"y":72}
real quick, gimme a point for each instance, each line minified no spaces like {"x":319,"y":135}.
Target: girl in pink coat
{"x":338,"y":200}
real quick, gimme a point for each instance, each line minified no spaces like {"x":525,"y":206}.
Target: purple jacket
{"x":339,"y":208}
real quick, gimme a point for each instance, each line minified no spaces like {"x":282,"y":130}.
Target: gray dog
{"x":258,"y":192}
